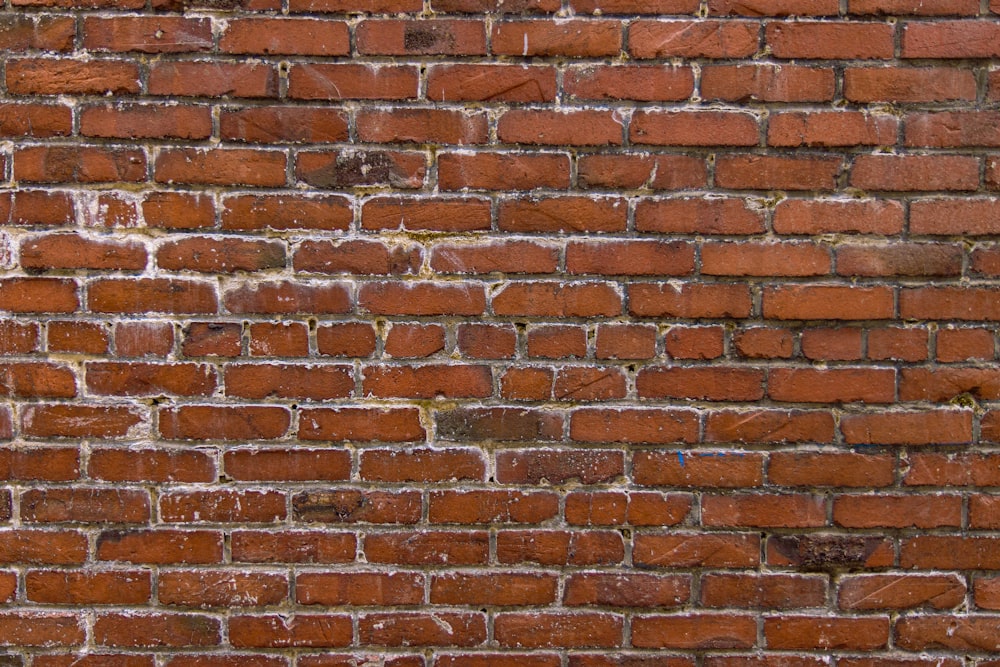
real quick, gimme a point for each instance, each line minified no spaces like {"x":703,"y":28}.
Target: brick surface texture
{"x":470,"y":333}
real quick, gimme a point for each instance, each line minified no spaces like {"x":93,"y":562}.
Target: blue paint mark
{"x":680,"y":457}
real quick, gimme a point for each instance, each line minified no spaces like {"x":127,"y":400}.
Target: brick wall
{"x":453,"y":333}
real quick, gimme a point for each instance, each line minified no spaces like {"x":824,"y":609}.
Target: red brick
{"x":276,"y":125}
{"x":755,"y":172}
{"x":906,"y":428}
{"x":221,"y":588}
{"x":222,"y":507}
{"x":73,"y":337}
{"x":552,"y":630}
{"x":813,"y":632}
{"x":806,"y":39}
{"x":49,"y":76}
{"x":946,"y":303}
{"x":524,"y":466}
{"x":764,"y":259}
{"x":694,"y":128}
{"x":279,"y":212}
{"x":635,"y":6}
{"x":831,"y":469}
{"x":173,"y":210}
{"x":303,"y":37}
{"x":817,"y":302}
{"x":427,"y":381}
{"x":428,"y":548}
{"x":422,"y":298}
{"x":905,"y":591}
{"x":698,"y":469}
{"x":643,"y":83}
{"x":964,"y":344}
{"x":202,"y":339}
{"x":422,"y":629}
{"x":163,"y":547}
{"x":716,"y":383}
{"x":899,"y":259}
{"x":287,"y":339}
{"x":288,"y":297}
{"x":146,"y":34}
{"x":213,"y":79}
{"x":541,"y":299}
{"x":832,"y":385}
{"x":220,"y":166}
{"x":79,"y":421}
{"x":831,"y":129}
{"x":355,"y":257}
{"x":426,"y":214}
{"x":414,"y":340}
{"x":83,"y":164}
{"x":43,"y":33}
{"x":817,"y":216}
{"x":350,"y":339}
{"x":767,"y":83}
{"x":422,"y":126}
{"x":427,"y":37}
{"x":359,"y":588}
{"x":336,"y":424}
{"x":42,"y":547}
{"x":907,"y":173}
{"x":908,"y":84}
{"x":490,"y":83}
{"x":764,"y":343}
{"x":558,"y":214}
{"x":323,"y":81}
{"x":42,"y":629}
{"x":641,"y":170}
{"x":769,"y":591}
{"x":138,"y":379}
{"x":897,"y":511}
{"x":34,"y":120}
{"x":556,"y":548}
{"x":490,"y":507}
{"x":560,"y":128}
{"x":88,"y":588}
{"x":421,"y":465}
{"x":36,"y":380}
{"x":377,"y":507}
{"x":141,"y":121}
{"x":951,"y":39}
{"x":573,"y":38}
{"x":501,"y":589}
{"x":764,"y":511}
{"x":897,"y":343}
{"x":287,"y":464}
{"x":151,"y":465}
{"x":832,"y":344}
{"x":977,"y":634}
{"x":692,"y":39}
{"x":85,"y":505}
{"x":207,"y":422}
{"x":503,"y":171}
{"x":633,"y":425}
{"x":485,"y":341}
{"x":694,"y":631}
{"x":273,"y":631}
{"x":909,"y":7}
{"x":625,"y":258}
{"x":273,"y":546}
{"x":689,"y":301}
{"x":156,"y":295}
{"x":36,"y":207}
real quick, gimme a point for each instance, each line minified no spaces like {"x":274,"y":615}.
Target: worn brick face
{"x":468,"y":333}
